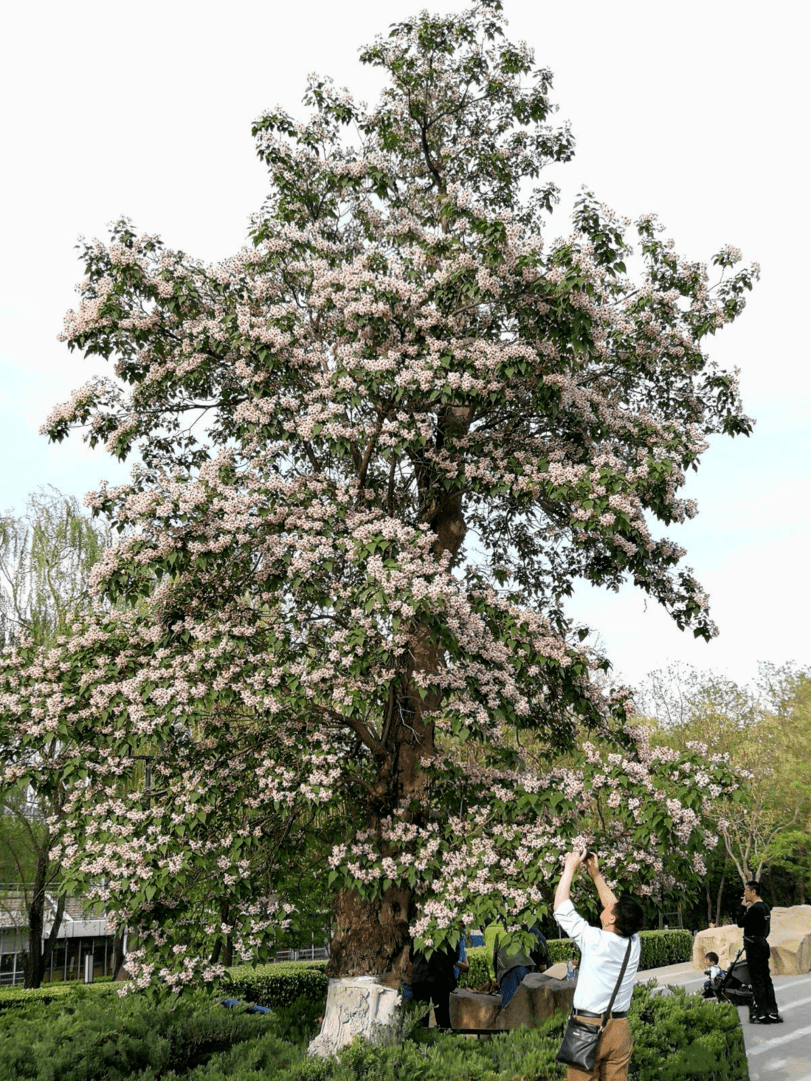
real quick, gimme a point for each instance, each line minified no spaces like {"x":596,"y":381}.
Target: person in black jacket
{"x":755,"y":919}
{"x":433,"y":979}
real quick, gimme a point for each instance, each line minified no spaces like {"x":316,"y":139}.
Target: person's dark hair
{"x":628,"y":916}
{"x":754,"y":885}
{"x":712,"y":956}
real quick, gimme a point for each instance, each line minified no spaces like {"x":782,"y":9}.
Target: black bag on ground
{"x":580,"y":1040}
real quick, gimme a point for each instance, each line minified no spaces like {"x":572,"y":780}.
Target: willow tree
{"x":378,"y":445}
{"x":45,"y":559}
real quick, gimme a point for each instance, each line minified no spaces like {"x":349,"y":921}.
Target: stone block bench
{"x":537,"y":998}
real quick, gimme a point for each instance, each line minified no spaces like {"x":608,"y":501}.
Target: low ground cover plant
{"x":89,"y":1036}
{"x":92,"y":1037}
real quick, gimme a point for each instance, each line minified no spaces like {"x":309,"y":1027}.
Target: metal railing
{"x":309,"y":953}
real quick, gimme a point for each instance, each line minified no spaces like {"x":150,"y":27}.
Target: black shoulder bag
{"x":579,"y":1047}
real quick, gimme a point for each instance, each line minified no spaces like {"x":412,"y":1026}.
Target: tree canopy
{"x":378,"y":445}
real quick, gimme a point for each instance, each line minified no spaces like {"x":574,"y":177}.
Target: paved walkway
{"x":775,"y":1052}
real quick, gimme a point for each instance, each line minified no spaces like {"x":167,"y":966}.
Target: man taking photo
{"x":602,"y":951}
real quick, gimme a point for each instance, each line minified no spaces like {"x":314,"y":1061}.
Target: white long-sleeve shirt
{"x":602,"y":954}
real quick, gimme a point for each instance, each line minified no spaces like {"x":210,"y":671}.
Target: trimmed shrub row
{"x":278,"y":984}
{"x":17,"y":997}
{"x":662,"y":948}
{"x":658,"y":949}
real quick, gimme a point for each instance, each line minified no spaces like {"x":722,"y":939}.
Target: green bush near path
{"x":685,"y":1036}
{"x":663,"y":948}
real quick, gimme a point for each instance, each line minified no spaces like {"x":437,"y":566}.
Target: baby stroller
{"x":735,"y":985}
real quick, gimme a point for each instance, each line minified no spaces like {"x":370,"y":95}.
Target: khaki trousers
{"x":613,"y":1053}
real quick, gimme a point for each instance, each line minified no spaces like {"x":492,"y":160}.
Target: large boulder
{"x":537,"y":997}
{"x":790,"y":942}
{"x":471,"y":1009}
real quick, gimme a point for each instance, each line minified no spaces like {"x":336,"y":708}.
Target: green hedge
{"x":278,"y":984}
{"x":479,"y":972}
{"x":282,"y":983}
{"x":18,"y":997}
{"x":685,"y":1036}
{"x":193,"y":1038}
{"x":662,"y":948}
{"x":270,"y":985}
{"x":658,"y":949}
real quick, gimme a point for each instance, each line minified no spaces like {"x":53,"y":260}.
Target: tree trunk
{"x":802,"y":890}
{"x":36,"y":923}
{"x":371,"y":937}
{"x":119,"y":953}
{"x":53,"y":935}
{"x":720,"y":893}
{"x":217,"y":951}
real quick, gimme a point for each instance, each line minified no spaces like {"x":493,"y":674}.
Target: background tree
{"x":765,"y":731}
{"x":790,"y":851}
{"x":378,"y":446}
{"x":45,"y":559}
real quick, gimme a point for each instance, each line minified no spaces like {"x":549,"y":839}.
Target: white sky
{"x":697,"y":111}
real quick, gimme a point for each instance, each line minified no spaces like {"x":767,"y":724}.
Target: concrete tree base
{"x":790,"y":942}
{"x":355,"y":1007}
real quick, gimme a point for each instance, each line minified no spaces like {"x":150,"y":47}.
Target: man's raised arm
{"x":573,"y":861}
{"x":607,"y":895}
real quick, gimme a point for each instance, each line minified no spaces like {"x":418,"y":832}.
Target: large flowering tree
{"x":377,"y":447}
